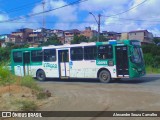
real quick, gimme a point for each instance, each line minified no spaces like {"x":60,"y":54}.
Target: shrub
{"x":152,"y":70}
{"x":44,"y":94}
{"x":26,"y":105}
{"x":5,"y":75}
{"x":29,"y":82}
{"x":41,"y":95}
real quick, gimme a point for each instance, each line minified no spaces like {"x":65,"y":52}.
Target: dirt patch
{"x":100,"y":97}
{"x":11,"y":95}
{"x":14,"y":89}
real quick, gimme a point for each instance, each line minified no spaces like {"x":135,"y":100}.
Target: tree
{"x":93,"y":39}
{"x":101,"y":39}
{"x":156,"y":40}
{"x":6,"y":51}
{"x":53,"y":40}
{"x":4,"y":54}
{"x":151,"y":55}
{"x":78,"y":39}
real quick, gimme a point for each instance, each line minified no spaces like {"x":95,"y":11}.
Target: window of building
{"x":49,"y":55}
{"x":36,"y":56}
{"x":76,"y":53}
{"x":105,"y":52}
{"x":90,"y":52}
{"x":17,"y":56}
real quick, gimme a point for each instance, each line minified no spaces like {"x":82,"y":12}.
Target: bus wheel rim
{"x":104,"y":76}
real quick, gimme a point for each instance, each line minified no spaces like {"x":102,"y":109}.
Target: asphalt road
{"x":140,"y":94}
{"x":149,"y":79}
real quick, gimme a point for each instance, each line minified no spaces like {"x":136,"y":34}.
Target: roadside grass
{"x":151,"y":70}
{"x":7,"y":79}
{"x":28,"y":81}
{"x":26,"y":105}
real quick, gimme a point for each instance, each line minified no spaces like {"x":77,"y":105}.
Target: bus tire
{"x":104,"y":76}
{"x":117,"y":79}
{"x":40,"y":75}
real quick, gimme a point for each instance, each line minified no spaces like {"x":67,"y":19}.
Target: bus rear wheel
{"x":104,"y":76}
{"x":40,"y":75}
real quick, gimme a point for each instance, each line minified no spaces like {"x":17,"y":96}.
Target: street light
{"x":98,"y":23}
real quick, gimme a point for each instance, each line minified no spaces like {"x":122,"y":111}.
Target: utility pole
{"x":43,"y":22}
{"x":43,"y":5}
{"x":98,"y":23}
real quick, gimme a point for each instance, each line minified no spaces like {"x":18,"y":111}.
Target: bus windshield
{"x":137,"y":56}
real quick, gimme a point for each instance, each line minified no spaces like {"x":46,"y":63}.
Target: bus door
{"x":26,"y":63}
{"x":122,"y":61}
{"x":63,"y":59}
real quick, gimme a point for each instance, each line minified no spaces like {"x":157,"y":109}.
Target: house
{"x":40,"y":35}
{"x":142,"y":35}
{"x":34,"y":37}
{"x":16,"y":39}
{"x":110,"y":35}
{"x":22,"y":34}
{"x":88,"y":33}
{"x":118,"y":36}
{"x":124,"y":36}
{"x":59,"y":34}
{"x":3,"y":39}
{"x":69,"y":35}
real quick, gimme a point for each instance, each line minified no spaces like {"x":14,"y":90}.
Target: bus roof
{"x":111,"y":42}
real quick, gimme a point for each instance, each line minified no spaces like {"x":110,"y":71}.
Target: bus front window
{"x":137,"y":55}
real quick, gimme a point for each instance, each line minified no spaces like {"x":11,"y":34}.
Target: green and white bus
{"x":102,"y":60}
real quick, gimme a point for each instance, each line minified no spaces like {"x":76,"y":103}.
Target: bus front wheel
{"x":104,"y":76}
{"x":40,"y":75}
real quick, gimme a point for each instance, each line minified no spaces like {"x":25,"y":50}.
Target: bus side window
{"x":90,"y":52}
{"x":76,"y":53}
{"x":105,"y":52}
{"x":49,"y":55}
{"x":36,"y":56}
{"x":17,"y":56}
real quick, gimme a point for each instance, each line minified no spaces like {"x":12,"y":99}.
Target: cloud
{"x":78,"y":17}
{"x":155,"y":32}
{"x":8,"y":27}
{"x":147,"y":11}
{"x":100,"y":5}
{"x":68,"y":13}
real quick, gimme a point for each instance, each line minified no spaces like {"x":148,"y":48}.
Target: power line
{"x":129,"y":9}
{"x":54,"y":22}
{"x":34,"y":14}
{"x":129,"y":19}
{"x":74,"y":22}
{"x":21,"y":7}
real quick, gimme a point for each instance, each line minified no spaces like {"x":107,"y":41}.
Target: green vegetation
{"x":156,"y":40}
{"x":26,"y":105}
{"x":152,"y":58}
{"x":29,"y":82}
{"x":42,"y":95}
{"x":7,"y":78}
{"x":5,"y":52}
{"x":51,"y":41}
{"x":150,"y":70}
{"x":5,"y":75}
{"x":25,"y":102}
{"x":78,"y":39}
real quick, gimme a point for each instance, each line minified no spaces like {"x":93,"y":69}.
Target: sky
{"x":116,"y":15}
